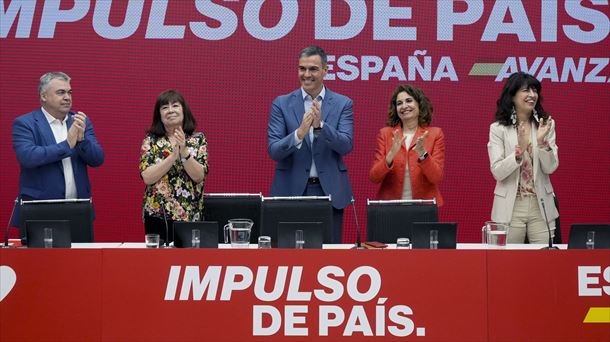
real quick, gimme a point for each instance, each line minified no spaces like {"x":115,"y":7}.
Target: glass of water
{"x":195,"y":238}
{"x":590,"y":243}
{"x":403,"y":243}
{"x":434,"y":239}
{"x":299,"y":240}
{"x":264,"y":241}
{"x":48,"y":238}
{"x":152,"y":240}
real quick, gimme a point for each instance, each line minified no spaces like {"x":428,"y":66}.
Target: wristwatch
{"x":423,"y":156}
{"x":186,"y":158}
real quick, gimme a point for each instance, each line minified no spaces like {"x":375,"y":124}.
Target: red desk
{"x":140,"y":294}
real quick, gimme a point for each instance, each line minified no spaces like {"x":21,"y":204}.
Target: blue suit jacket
{"x":335,"y":140}
{"x":42,"y":175}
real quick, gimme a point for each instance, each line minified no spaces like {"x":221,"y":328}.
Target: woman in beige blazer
{"x":522,"y":155}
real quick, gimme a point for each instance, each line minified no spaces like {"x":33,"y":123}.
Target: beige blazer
{"x":505,"y":169}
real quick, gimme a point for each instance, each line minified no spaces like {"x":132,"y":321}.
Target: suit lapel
{"x":418,"y":133}
{"x":511,"y":134}
{"x":44,"y":128}
{"x":536,"y":161}
{"x":327,"y":104}
{"x":298,"y":109}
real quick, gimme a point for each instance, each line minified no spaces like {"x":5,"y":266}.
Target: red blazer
{"x":425,"y":176}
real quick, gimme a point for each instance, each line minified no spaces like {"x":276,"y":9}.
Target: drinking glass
{"x":195,"y":238}
{"x":590,"y":243}
{"x":48,"y":238}
{"x":152,"y":240}
{"x":264,"y":241}
{"x":403,"y":243}
{"x":434,"y":239}
{"x":299,"y":241}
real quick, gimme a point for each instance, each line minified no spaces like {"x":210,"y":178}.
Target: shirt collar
{"x":50,"y":117}
{"x":322,"y":93}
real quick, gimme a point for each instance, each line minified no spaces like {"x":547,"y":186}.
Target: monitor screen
{"x":78,"y":212}
{"x":389,"y":221}
{"x":313,"y":234}
{"x":59,"y":235}
{"x":297,"y":209}
{"x":447,"y":234}
{"x":208,"y":234}
{"x":579,"y":234}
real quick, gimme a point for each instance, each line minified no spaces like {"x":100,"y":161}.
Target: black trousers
{"x":156,"y":225}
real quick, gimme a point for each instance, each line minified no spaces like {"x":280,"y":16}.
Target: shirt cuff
{"x":297,"y":142}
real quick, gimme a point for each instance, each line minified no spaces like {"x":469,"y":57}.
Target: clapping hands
{"x":544,"y":127}
{"x":312,"y":117}
{"x":76,"y":132}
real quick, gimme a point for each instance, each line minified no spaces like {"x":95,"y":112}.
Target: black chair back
{"x":296,"y":209}
{"x":389,"y":220}
{"x":221,"y":207}
{"x":79,"y":213}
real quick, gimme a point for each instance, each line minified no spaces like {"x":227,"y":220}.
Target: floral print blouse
{"x":526,"y":174}
{"x":180,"y":195}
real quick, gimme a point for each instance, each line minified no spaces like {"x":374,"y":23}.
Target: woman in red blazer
{"x":408,"y":143}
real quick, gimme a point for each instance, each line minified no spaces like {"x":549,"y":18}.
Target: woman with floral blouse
{"x":522,"y":155}
{"x":173,"y":165}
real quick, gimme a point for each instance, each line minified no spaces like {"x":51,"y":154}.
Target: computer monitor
{"x":447,"y":234}
{"x":313,"y":234}
{"x":79,"y":212}
{"x":578,"y":236}
{"x":208,"y":234}
{"x":60,"y":230}
{"x":391,"y":219}
{"x":221,"y":207}
{"x":296,"y":209}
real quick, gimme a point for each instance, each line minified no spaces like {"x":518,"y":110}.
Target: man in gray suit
{"x":309,"y":132}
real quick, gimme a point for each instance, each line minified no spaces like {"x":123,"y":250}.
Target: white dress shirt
{"x":60,"y":132}
{"x":308,"y":102}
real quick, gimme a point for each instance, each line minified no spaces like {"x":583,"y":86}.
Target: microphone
{"x":548,"y":228}
{"x":358,"y":242}
{"x":166,"y":225}
{"x":8,"y":225}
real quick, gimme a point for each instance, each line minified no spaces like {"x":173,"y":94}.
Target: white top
{"x":307,"y":103}
{"x":406,"y":189}
{"x":60,"y":132}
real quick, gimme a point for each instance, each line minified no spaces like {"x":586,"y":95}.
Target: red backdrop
{"x":457,"y":52}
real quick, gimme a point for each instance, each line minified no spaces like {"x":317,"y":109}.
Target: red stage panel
{"x":56,"y":296}
{"x":535,"y":295}
{"x":445,"y":292}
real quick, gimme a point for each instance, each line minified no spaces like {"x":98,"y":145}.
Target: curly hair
{"x":505,"y":103}
{"x":425,"y":106}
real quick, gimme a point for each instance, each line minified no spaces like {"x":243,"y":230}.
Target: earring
{"x":513,"y":116}
{"x":536,"y":115}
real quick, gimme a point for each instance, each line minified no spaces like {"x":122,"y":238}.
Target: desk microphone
{"x":358,"y":242}
{"x":8,"y":225}
{"x":546,"y":220}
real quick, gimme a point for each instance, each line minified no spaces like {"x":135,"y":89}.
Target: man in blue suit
{"x":309,"y":132}
{"x":54,"y":146}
